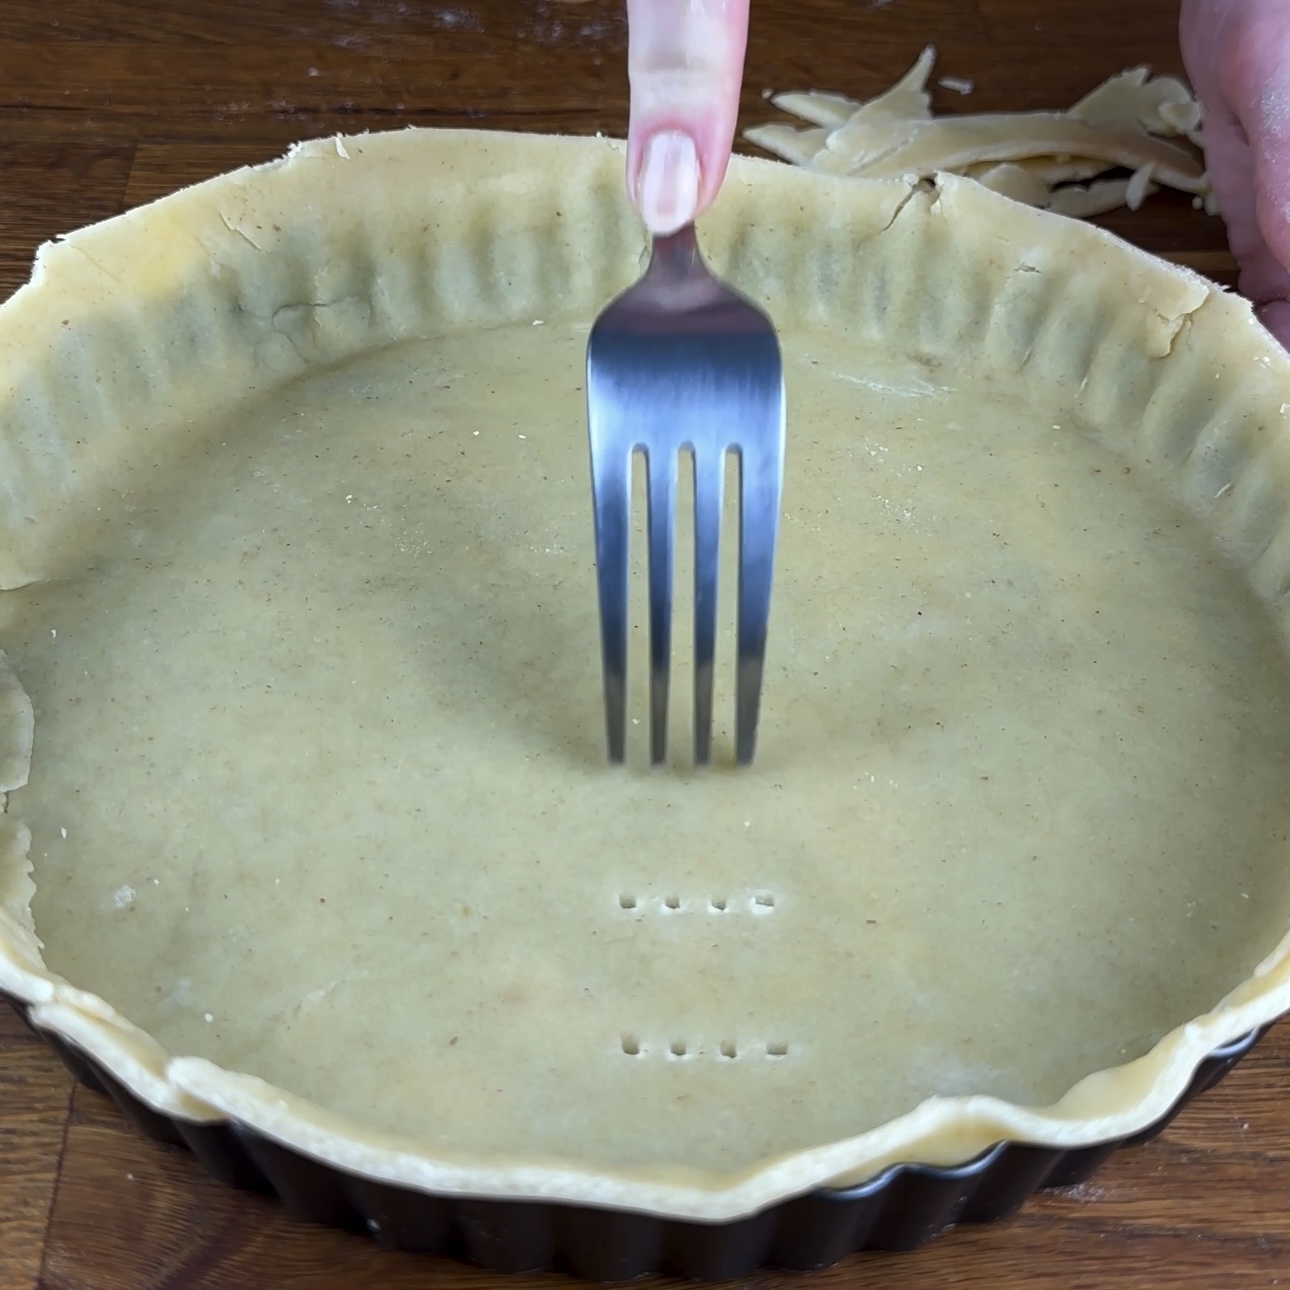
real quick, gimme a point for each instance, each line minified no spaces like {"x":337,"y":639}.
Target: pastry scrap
{"x":1055,"y":161}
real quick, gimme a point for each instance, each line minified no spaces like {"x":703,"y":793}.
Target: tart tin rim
{"x":900,"y":1208}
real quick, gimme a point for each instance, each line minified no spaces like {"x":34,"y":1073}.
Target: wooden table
{"x":107,"y":103}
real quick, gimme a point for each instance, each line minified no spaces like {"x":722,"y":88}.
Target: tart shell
{"x":1181,"y":371}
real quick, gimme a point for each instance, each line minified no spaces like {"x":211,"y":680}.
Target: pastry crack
{"x":241,"y":232}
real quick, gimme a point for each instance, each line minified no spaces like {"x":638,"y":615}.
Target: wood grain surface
{"x":105,"y":104}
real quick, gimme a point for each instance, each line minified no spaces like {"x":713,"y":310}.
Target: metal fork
{"x":682,"y":361}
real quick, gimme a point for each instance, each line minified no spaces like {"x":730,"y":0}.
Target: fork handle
{"x":674,"y":257}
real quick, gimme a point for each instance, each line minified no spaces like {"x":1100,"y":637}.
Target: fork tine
{"x":760,"y":475}
{"x":611,"y":503}
{"x":709,"y":472}
{"x":661,"y":471}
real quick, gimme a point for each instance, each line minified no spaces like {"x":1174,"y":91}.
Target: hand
{"x":685,"y":61}
{"x":1237,"y":54}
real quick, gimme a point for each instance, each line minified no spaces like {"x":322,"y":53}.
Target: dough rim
{"x":236,"y":252}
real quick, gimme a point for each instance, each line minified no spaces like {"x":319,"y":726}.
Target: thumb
{"x":1262,"y":105}
{"x":685,"y":64}
{"x":1256,"y":85}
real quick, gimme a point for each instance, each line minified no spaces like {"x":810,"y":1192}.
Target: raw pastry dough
{"x":294,"y":542}
{"x":1040,"y":158}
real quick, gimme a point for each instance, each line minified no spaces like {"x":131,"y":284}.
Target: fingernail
{"x":668,"y":190}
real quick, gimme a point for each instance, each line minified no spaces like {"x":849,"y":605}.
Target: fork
{"x":680,"y":361}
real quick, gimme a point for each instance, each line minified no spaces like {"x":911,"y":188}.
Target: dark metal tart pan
{"x":901,"y":1208}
